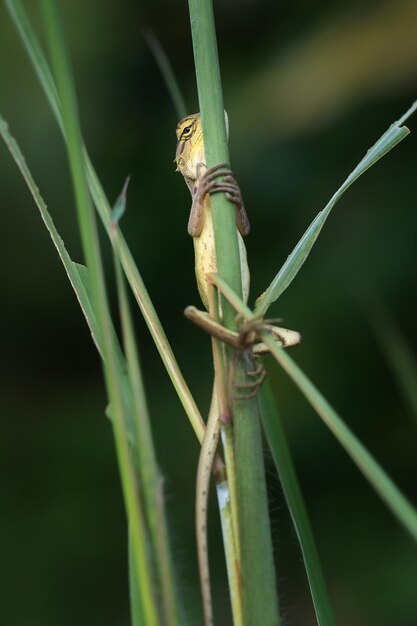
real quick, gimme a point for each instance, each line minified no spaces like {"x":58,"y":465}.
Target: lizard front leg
{"x":208,"y":183}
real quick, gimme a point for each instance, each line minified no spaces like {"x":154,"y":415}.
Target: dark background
{"x":309,"y":86}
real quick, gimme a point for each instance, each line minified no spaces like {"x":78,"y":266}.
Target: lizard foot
{"x":210,"y":184}
{"x":259,"y":373}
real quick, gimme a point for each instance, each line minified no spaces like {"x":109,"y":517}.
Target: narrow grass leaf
{"x":89,"y":236}
{"x":136,"y":604}
{"x":373,"y":472}
{"x":24,"y":28}
{"x":397,"y":351}
{"x":150,"y":480}
{"x":298,"y":256}
{"x":167,"y":72}
{"x":278,"y":445}
{"x":144,"y":302}
{"x":376,"y":476}
{"x":77,"y":274}
{"x":120,"y":205}
{"x":41,"y":67}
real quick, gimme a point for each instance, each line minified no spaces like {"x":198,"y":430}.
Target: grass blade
{"x":41,"y":67}
{"x":167,"y":72}
{"x":89,"y":238}
{"x":150,"y":480}
{"x":398,"y":354}
{"x":36,"y":55}
{"x":376,"y":476}
{"x":77,"y":274}
{"x":136,"y":607}
{"x":283,"y":461}
{"x":298,"y":256}
{"x":282,"y":458}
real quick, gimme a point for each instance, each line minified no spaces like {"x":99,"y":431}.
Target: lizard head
{"x":190,"y":146}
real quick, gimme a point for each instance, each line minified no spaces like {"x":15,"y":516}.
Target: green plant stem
{"x":229,"y":507}
{"x":89,"y":237}
{"x":150,"y":479}
{"x":210,"y":98}
{"x":149,"y":475}
{"x":256,"y":546}
{"x":260,"y":601}
{"x":232,"y":558}
{"x":136,"y":607}
{"x":226,"y":488}
{"x":226,"y":432}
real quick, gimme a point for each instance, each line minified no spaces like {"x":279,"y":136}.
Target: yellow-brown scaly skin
{"x":191,"y":162}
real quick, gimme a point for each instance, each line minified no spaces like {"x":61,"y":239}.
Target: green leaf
{"x":397,"y":351}
{"x":77,"y":274}
{"x":167,"y":72}
{"x":298,"y":256}
{"x":373,"y":472}
{"x":281,"y":453}
{"x":136,"y":604}
{"x":150,"y":478}
{"x":36,"y":55}
{"x":120,"y":204}
{"x":39,"y":62}
{"x":113,"y":375}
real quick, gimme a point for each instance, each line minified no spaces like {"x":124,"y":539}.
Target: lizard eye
{"x":186,"y":131}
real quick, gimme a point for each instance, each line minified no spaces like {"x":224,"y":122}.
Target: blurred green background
{"x":309,"y":87}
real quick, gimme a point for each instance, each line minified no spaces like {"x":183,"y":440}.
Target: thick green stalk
{"x":89,"y":237}
{"x":210,"y":98}
{"x":260,"y":602}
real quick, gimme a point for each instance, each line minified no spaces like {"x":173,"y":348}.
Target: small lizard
{"x":202,"y":181}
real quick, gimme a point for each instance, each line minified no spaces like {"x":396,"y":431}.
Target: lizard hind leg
{"x":252,"y":387}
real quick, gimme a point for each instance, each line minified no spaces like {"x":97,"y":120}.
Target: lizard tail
{"x":205,"y":464}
